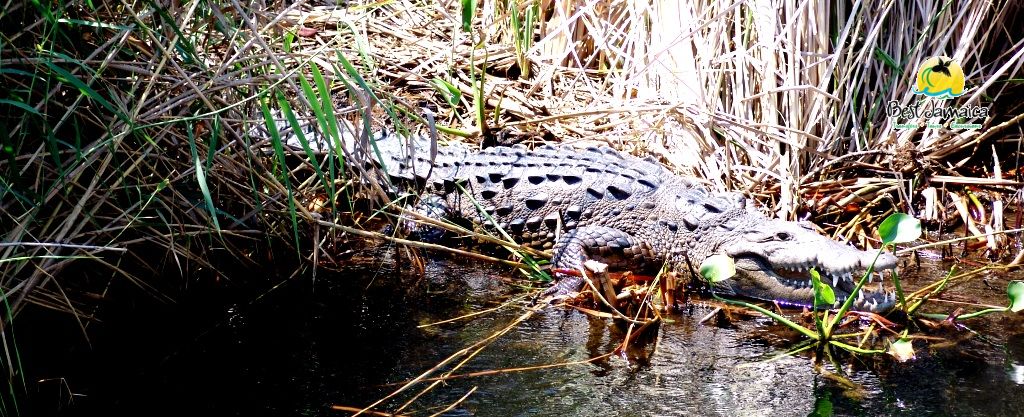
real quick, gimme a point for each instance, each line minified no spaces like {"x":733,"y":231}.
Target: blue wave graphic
{"x":944,"y":93}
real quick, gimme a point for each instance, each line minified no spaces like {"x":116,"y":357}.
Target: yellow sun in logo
{"x":940,"y":77}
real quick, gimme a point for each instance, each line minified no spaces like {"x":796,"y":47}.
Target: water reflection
{"x":300,"y":349}
{"x":1017,"y":373}
{"x":1015,"y":348}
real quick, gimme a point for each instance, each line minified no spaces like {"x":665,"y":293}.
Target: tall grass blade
{"x":275,"y":141}
{"x":297,"y":129}
{"x":204,"y":187}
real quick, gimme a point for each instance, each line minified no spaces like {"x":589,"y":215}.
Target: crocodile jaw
{"x":791,"y":284}
{"x":773,"y":259}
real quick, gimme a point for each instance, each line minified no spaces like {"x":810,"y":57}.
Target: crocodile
{"x":630,"y":213}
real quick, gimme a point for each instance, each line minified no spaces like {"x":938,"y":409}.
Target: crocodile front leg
{"x":434,"y":207}
{"x":608,"y":245}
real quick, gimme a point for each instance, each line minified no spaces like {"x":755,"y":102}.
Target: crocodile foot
{"x":566,"y":286}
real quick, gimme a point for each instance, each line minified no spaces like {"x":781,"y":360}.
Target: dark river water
{"x":344,"y":340}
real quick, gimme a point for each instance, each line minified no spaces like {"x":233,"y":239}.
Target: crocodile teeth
{"x":835,"y":281}
{"x":881,"y":288}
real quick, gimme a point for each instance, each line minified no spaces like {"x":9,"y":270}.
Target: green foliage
{"x":451,"y":94}
{"x":21,"y":105}
{"x":523,"y":22}
{"x":62,"y":75}
{"x":289,"y":37}
{"x":323,"y":110}
{"x":899,"y":228}
{"x":297,"y":128}
{"x":204,"y":187}
{"x":1015,"y":291}
{"x":468,"y":11}
{"x":275,"y":140}
{"x":717,"y":268}
{"x":824,"y":295}
{"x":479,"y":101}
{"x":888,"y":60}
{"x":822,"y":406}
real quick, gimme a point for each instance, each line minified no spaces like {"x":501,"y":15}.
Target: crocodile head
{"x":773,"y":260}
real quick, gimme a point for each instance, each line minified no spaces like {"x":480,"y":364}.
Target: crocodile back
{"x":534,"y":195}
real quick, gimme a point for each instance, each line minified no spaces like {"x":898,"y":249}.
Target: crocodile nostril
{"x":782,"y":236}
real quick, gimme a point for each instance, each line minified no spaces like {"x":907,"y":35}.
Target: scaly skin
{"x":632,"y":214}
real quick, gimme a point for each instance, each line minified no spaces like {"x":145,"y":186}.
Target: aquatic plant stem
{"x":777,"y":317}
{"x":899,"y":291}
{"x":848,"y":303}
{"x":854,"y":349}
{"x":938,"y":316}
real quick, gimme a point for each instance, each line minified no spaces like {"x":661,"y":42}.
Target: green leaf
{"x":20,"y":105}
{"x":275,"y":140}
{"x":889,"y":62}
{"x":298,"y":128}
{"x":717,"y":268}
{"x":66,"y":77}
{"x":899,"y":228}
{"x":328,"y":107}
{"x":389,"y":109}
{"x":822,"y":405}
{"x":451,"y":93}
{"x":468,"y":10}
{"x":289,"y":37}
{"x":1016,"y":293}
{"x":204,"y":187}
{"x":823,"y":294}
{"x":93,"y":23}
{"x":902,"y":350}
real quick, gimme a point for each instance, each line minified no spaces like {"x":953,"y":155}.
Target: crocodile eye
{"x":783,"y":236}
